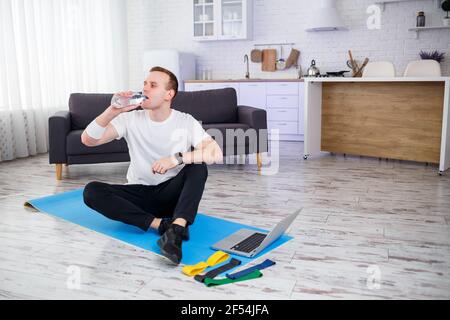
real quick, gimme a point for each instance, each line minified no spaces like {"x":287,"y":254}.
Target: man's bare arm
{"x":103,"y":121}
{"x":109,"y":135}
{"x":207,"y":151}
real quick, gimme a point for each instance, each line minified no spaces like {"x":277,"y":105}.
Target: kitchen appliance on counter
{"x":337,"y":73}
{"x":329,"y":74}
{"x":312,"y":71}
{"x":182,"y":64}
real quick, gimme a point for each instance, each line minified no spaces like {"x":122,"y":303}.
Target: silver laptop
{"x":248,"y":243}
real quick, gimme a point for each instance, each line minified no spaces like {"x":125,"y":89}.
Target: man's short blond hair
{"x":173,"y":82}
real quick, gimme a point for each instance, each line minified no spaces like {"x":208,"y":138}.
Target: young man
{"x":165,"y":180}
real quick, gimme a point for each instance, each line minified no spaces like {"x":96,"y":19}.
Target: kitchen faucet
{"x":247,"y":74}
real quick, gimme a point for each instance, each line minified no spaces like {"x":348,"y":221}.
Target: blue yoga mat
{"x":204,"y":232}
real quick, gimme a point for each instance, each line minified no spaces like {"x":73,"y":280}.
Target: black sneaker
{"x":166,"y":223}
{"x":170,"y":243}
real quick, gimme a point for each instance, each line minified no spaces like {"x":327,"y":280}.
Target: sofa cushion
{"x":74,"y":146}
{"x":85,"y":107}
{"x":208,"y":106}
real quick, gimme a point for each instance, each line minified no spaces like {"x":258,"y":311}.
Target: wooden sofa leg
{"x":58,"y":171}
{"x":259,"y":161}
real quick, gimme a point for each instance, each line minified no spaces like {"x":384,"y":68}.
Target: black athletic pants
{"x":138,"y":205}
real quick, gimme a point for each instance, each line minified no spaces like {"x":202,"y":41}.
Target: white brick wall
{"x":157,"y":24}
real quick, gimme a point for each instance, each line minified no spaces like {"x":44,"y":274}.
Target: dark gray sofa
{"x":216,"y":109}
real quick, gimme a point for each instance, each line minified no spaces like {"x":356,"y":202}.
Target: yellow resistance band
{"x":216,"y":258}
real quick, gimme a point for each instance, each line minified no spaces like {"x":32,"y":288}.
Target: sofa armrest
{"x":58,"y":128}
{"x":254,"y":117}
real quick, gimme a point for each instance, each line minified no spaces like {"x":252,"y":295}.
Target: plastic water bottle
{"x":118,"y":101}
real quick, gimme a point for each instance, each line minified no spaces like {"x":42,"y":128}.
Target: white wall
{"x":157,"y":24}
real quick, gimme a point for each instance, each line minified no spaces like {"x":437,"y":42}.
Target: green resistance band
{"x":218,"y":282}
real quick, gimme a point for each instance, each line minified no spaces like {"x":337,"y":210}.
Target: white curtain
{"x":48,"y":50}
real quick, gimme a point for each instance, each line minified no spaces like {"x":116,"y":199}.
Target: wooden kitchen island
{"x":398,"y":118}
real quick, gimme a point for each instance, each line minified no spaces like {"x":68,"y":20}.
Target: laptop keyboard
{"x":250,"y":243}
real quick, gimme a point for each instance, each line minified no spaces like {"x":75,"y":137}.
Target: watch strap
{"x":179,"y":157}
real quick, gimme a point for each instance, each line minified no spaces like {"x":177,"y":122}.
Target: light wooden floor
{"x":369,"y":229}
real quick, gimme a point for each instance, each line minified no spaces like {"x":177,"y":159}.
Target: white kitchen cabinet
{"x":209,"y":86}
{"x":282,"y":88}
{"x":252,"y":94}
{"x":222,"y":19}
{"x":282,"y":114}
{"x":200,"y":86}
{"x":283,"y":102}
{"x":204,"y":19}
{"x":283,"y":127}
{"x":282,"y":107}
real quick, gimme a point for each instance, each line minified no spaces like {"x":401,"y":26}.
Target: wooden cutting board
{"x":269,"y":60}
{"x":293,"y":58}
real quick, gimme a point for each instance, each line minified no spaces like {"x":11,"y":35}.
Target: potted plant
{"x":433,"y":55}
{"x":446,"y":7}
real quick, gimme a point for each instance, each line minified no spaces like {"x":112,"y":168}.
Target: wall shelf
{"x":382,"y":3}
{"x":417,"y":29}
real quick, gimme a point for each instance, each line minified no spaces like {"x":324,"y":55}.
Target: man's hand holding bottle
{"x":125,"y":101}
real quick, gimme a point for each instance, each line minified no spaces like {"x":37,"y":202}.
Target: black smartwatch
{"x":179,"y":157}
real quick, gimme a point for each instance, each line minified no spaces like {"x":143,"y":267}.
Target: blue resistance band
{"x":267,"y":263}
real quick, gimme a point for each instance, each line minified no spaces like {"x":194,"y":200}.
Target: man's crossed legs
{"x":169,"y":207}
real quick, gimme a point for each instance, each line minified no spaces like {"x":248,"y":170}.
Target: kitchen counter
{"x":243,"y":80}
{"x":404,"y":118}
{"x":329,"y":79}
{"x":377,"y":79}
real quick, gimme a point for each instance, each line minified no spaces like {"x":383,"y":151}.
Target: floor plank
{"x":358,"y":214}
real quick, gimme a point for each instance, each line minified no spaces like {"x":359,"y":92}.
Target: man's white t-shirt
{"x":149,"y":141}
